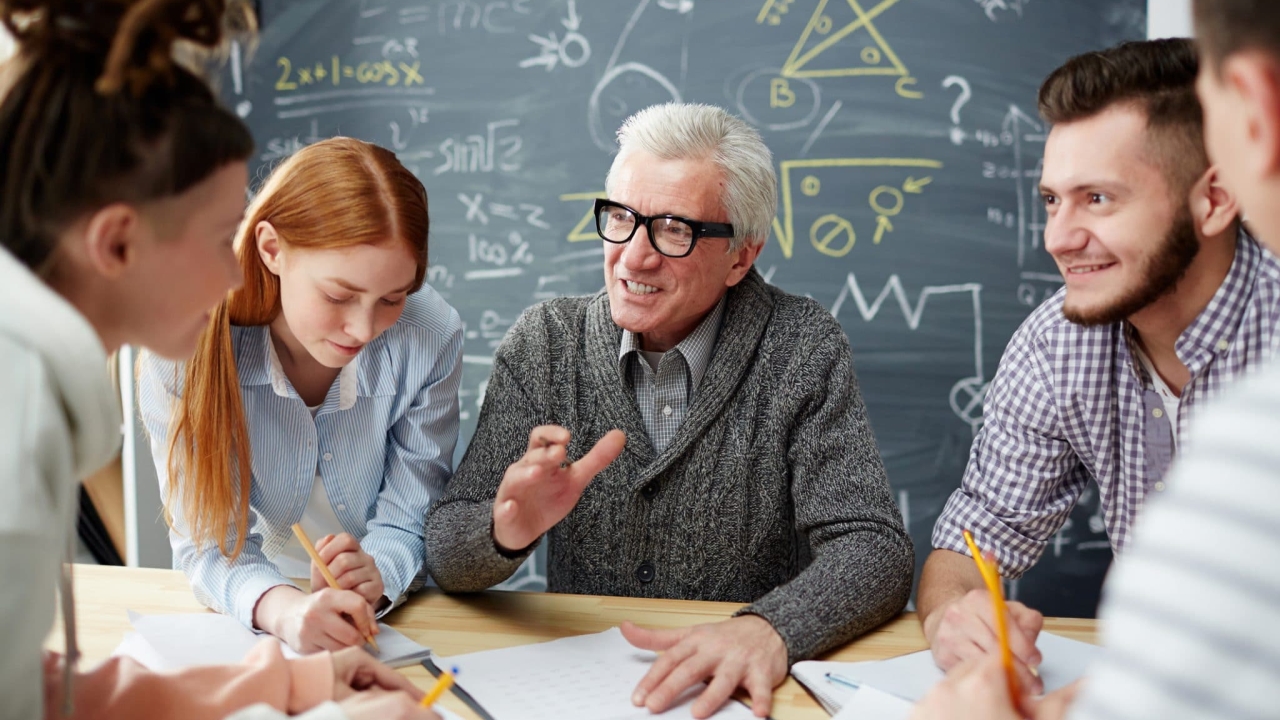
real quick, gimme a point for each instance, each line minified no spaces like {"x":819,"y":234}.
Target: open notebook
{"x":587,"y":676}
{"x":172,"y":642}
{"x":909,"y":677}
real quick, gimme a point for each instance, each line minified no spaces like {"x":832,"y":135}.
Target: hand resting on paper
{"x":740,"y":652}
{"x":979,"y":690}
{"x":540,"y":489}
{"x":964,"y":629}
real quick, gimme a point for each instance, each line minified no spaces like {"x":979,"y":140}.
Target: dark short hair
{"x":1156,"y":76}
{"x":1225,"y":27}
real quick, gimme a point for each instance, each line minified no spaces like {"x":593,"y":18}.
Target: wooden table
{"x":452,"y":625}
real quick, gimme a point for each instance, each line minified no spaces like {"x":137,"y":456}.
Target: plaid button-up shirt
{"x":664,"y":395}
{"x":1070,"y":403}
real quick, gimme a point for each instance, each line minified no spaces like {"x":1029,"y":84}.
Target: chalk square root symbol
{"x":820,"y":35}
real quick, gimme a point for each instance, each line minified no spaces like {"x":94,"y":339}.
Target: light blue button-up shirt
{"x":383,"y":458}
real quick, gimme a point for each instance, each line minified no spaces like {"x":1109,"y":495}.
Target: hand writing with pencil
{"x":541,"y":488}
{"x":965,"y":629}
{"x":982,"y":622}
{"x":741,"y":652}
{"x":309,"y":622}
{"x":330,"y":618}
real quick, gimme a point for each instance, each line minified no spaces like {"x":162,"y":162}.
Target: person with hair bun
{"x":325,"y":392}
{"x":122,"y":183}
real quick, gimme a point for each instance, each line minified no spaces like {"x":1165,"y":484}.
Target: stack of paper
{"x":909,"y":677}
{"x":172,"y":642}
{"x":589,"y":676}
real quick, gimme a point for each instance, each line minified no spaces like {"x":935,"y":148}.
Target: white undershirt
{"x":1171,"y":401}
{"x":652,"y":358}
{"x":318,"y":520}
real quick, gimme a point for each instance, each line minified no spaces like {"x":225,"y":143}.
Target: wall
{"x":1168,"y":18}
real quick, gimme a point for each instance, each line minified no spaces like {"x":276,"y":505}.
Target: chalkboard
{"x":904,"y":133}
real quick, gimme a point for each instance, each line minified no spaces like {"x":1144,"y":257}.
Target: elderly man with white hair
{"x":691,"y":432}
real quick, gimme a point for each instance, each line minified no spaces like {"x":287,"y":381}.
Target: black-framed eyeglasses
{"x":670,"y":235}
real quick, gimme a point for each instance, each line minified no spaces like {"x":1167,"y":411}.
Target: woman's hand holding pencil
{"x":328,"y":619}
{"x":318,"y":563}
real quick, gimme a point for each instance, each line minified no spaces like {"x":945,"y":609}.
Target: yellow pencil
{"x":991,"y":576}
{"x":324,"y":569}
{"x":443,"y":683}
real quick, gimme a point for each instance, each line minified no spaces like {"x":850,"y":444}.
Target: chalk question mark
{"x":957,"y":134}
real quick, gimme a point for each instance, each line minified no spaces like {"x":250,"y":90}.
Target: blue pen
{"x":842,"y":680}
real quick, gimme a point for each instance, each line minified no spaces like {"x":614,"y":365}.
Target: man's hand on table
{"x":740,"y":652}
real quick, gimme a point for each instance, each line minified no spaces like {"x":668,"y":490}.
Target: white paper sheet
{"x":588,"y":676}
{"x":184,"y":640}
{"x":871,"y":704}
{"x":911,"y":676}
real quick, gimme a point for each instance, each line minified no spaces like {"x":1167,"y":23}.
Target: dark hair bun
{"x":132,"y":39}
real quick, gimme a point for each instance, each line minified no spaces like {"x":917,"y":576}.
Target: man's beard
{"x":1158,"y":277}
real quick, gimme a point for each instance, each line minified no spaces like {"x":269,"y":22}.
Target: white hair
{"x":689,"y":131}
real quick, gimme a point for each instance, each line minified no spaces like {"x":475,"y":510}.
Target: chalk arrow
{"x":882,"y":226}
{"x":571,"y":23}
{"x":547,"y":59}
{"x":915,"y":186}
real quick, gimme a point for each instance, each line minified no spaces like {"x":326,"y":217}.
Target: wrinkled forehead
{"x":654,"y":185}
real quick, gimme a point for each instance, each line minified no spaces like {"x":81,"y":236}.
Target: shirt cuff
{"x":1015,"y":552}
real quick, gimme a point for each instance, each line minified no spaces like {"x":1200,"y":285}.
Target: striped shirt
{"x":383,"y":454}
{"x":1070,"y":403}
{"x":664,"y":394}
{"x":1191,"y":615}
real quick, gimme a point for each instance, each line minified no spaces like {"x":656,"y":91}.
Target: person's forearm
{"x":947,"y":576}
{"x":863,"y":578}
{"x":461,"y":553}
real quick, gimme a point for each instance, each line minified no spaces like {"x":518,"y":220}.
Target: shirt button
{"x":650,"y":491}
{"x":1157,"y":412}
{"x":341,"y":506}
{"x":329,"y":456}
{"x":1223,"y":344}
{"x":667,"y":411}
{"x":1160,"y":486}
{"x":645,"y":573}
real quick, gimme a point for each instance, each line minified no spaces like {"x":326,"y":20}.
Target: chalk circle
{"x":825,"y":23}
{"x":871,"y":55}
{"x":822,"y":238}
{"x":580,"y":57}
{"x":899,"y":200}
{"x":644,"y":86}
{"x":810,"y":185}
{"x":742,"y":95}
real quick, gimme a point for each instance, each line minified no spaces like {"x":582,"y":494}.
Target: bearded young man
{"x":1166,"y":302}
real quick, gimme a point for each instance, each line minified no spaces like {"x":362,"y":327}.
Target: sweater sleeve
{"x":863,"y":561}
{"x":123,"y":688}
{"x":461,"y":553}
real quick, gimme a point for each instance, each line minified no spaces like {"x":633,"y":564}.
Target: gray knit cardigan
{"x":771,"y":493}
